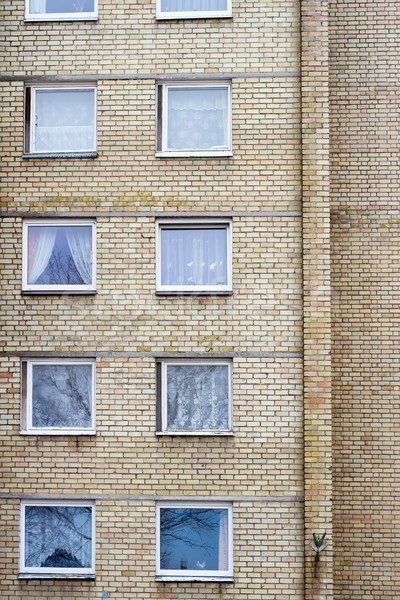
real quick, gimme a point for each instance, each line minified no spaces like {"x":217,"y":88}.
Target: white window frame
{"x":32,"y":116}
{"x":72,"y":16}
{"x":164,"y":150}
{"x":194,"y":14}
{"x":26,"y":399}
{"x":164,"y":364}
{"x":78,"y":289}
{"x":55,"y":571}
{"x":194,"y":224}
{"x":190,"y":575}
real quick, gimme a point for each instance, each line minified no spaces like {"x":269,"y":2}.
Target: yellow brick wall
{"x":125,"y":467}
{"x":365,"y":61}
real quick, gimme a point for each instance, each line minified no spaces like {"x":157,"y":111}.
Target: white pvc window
{"x":196,"y":397}
{"x":194,"y":257}
{"x":59,"y":256}
{"x":192,"y":9}
{"x":62,"y":120}
{"x":57,"y":538}
{"x":194,"y":541}
{"x":194,"y":119}
{"x":58,"y":397}
{"x":61,"y":10}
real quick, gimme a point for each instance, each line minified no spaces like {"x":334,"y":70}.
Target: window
{"x":194,"y":397}
{"x":60,"y":10}
{"x":60,"y":120}
{"x":59,"y":256}
{"x":58,"y":397}
{"x":194,"y":541}
{"x":194,"y":119}
{"x":57,"y":538}
{"x":194,"y":257}
{"x":191,"y":9}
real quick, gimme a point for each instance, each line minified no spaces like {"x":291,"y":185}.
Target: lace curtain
{"x":197,"y":118}
{"x":193,"y":5}
{"x":193,"y":257}
{"x":64,"y":121}
{"x":198,"y":397}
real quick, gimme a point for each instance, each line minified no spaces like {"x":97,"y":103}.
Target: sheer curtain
{"x":193,"y":5}
{"x":37,"y":7}
{"x":64,"y":121}
{"x":40,"y":247}
{"x":223,"y":562}
{"x":197,"y":397}
{"x":193,"y":257}
{"x":79,"y":243}
{"x":197,"y":118}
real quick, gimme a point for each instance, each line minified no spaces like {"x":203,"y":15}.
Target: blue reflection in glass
{"x":58,"y":536}
{"x":193,"y":539}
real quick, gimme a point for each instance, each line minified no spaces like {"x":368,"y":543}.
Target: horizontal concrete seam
{"x":141,"y":76}
{"x":148,"y":497}
{"x":161,"y":354}
{"x":152,"y":213}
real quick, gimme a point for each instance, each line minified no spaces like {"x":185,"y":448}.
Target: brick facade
{"x":298,"y":262}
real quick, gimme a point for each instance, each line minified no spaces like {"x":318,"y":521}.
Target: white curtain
{"x":193,"y":257}
{"x":79,"y":244}
{"x":41,"y":244}
{"x":37,"y":7}
{"x":64,"y":121}
{"x":223,"y":542}
{"x":197,"y":397}
{"x":197,"y":118}
{"x":193,"y":5}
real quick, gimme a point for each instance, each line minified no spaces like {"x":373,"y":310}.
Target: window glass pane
{"x":197,"y":118}
{"x":64,"y":120}
{"x":194,"y":539}
{"x":59,"y":255}
{"x":194,"y":257}
{"x":61,"y":395}
{"x":193,"y":5}
{"x":61,"y":6}
{"x":197,"y":397}
{"x":58,"y":536}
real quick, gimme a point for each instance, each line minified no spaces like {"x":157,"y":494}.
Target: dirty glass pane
{"x":194,"y":539}
{"x":61,"y":395}
{"x":197,"y":397}
{"x":58,"y":536}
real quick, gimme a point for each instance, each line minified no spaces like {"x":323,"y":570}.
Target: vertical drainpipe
{"x":314,"y":58}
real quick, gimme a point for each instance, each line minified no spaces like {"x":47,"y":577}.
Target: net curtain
{"x":193,"y":5}
{"x":197,"y":118}
{"x":64,"y":120}
{"x":194,"y":257}
{"x":41,"y":244}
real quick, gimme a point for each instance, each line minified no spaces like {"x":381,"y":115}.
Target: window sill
{"x":190,"y":578}
{"x":55,"y":576}
{"x":46,"y":18}
{"x":58,"y":292}
{"x":177,"y":15}
{"x":61,"y":155}
{"x":194,"y":293}
{"x":194,"y":154}
{"x":42,"y":432}
{"x":197,"y":433}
